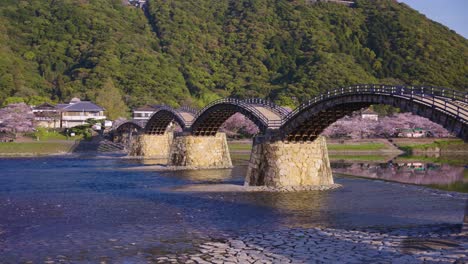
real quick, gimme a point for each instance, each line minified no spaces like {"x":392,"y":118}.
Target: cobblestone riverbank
{"x":327,"y":245}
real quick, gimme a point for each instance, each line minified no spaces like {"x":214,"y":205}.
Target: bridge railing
{"x":128,"y":122}
{"x":188,"y":109}
{"x":282,"y":112}
{"x":174,"y":111}
{"x":450,"y":101}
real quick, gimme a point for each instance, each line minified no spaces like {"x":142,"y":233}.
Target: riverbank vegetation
{"x":35,"y":148}
{"x":380,"y":145}
{"x":357,"y":157}
{"x":357,"y":147}
{"x":432,"y":145}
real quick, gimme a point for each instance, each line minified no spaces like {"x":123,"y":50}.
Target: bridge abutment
{"x":200,"y":151}
{"x":281,"y":164}
{"x":152,"y":145}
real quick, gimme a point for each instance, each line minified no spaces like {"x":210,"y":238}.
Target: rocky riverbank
{"x":432,"y":244}
{"x":243,"y":188}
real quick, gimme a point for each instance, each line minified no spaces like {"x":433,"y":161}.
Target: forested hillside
{"x":194,"y":51}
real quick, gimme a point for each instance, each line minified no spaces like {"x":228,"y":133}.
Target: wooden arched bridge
{"x":288,"y":150}
{"x":446,"y":107}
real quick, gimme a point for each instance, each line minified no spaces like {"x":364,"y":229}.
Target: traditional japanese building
{"x":413,"y":133}
{"x":46,"y":115}
{"x":77,"y":112}
{"x":144,"y":112}
{"x":369,"y":115}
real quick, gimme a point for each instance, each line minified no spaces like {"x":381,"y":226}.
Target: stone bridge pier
{"x":285,"y":164}
{"x":200,"y":151}
{"x":152,"y":145}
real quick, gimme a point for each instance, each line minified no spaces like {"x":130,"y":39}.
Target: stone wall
{"x":200,"y":152}
{"x":280,"y":164}
{"x":152,"y":146}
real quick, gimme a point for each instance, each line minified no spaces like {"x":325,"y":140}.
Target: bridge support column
{"x":280,"y":164}
{"x":200,"y":151}
{"x":152,"y":145}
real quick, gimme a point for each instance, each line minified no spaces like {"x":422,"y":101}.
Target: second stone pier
{"x":281,"y":164}
{"x":152,"y":145}
{"x":200,"y":152}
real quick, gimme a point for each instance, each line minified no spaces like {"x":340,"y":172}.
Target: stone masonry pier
{"x":152,"y":145}
{"x":200,"y":152}
{"x":281,"y":164}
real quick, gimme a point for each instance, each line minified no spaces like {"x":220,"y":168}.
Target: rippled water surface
{"x":89,"y":209}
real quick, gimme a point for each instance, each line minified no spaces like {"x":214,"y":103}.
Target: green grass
{"x":239,"y":146}
{"x":240,"y":156}
{"x":442,"y":144}
{"x":53,"y":136}
{"x":359,"y":157}
{"x":35,"y":148}
{"x":358,"y":147}
{"x":349,"y":147}
{"x":45,"y":135}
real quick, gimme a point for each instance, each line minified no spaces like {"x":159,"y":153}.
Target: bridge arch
{"x":160,"y":120}
{"x":125,"y":131}
{"x":262,"y":113}
{"x":446,"y":107}
{"x":128,"y":126}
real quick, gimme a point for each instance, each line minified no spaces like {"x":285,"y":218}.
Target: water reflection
{"x":413,"y":172}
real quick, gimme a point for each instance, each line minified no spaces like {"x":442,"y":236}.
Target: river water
{"x":89,"y":209}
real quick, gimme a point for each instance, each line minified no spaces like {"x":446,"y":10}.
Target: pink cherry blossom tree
{"x":356,"y":127}
{"x":239,"y":126}
{"x":16,"y":118}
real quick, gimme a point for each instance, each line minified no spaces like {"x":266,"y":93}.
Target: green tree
{"x":13,"y":100}
{"x":110,"y":98}
{"x":198,"y":50}
{"x":37,"y":100}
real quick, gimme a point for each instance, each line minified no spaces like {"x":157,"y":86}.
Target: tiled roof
{"x":83,"y":106}
{"x":45,"y":106}
{"x":369,"y":112}
{"x":60,"y":106}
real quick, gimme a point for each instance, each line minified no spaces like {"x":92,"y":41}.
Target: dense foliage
{"x":194,"y":51}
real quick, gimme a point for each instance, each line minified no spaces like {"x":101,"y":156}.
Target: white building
{"x":369,"y":115}
{"x":145,"y":112}
{"x":77,"y":112}
{"x":413,"y":133}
